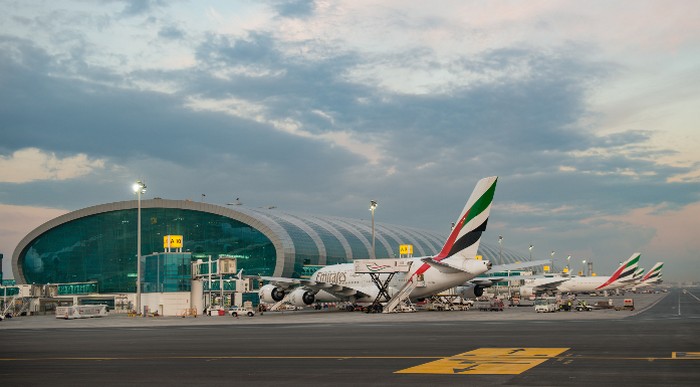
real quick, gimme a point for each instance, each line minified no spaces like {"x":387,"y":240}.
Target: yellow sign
{"x":172,"y":242}
{"x":488,"y":361}
{"x":546,"y":267}
{"x":479,"y":257}
{"x":405,"y":249}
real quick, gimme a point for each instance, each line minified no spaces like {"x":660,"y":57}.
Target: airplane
{"x":455,"y":264}
{"x":652,"y":277}
{"x":624,"y":275}
{"x":474,"y":288}
{"x":637,"y":276}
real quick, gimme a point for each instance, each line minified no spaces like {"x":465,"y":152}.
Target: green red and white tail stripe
{"x":472,"y":221}
{"x":464,"y":239}
{"x":626,"y":269}
{"x":654,"y":272}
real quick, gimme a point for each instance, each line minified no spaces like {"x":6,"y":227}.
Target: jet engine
{"x":469,"y":291}
{"x":271,"y":294}
{"x":302,"y":297}
{"x":476,"y":266}
{"x":526,"y":291}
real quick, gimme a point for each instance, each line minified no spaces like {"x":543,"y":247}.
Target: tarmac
{"x":656,"y":344}
{"x":334,"y":316}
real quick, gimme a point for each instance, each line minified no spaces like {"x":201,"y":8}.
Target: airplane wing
{"x":519,"y":265}
{"x":486,"y":282}
{"x":551,"y":284}
{"x":338,"y":291}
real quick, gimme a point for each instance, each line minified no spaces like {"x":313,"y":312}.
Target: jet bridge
{"x":377,"y":267}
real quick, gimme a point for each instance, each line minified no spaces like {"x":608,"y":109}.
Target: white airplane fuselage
{"x":433,"y":281}
{"x":587,"y":285}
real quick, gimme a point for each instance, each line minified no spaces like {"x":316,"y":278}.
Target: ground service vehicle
{"x":238,"y":310}
{"x":583,"y":306}
{"x":545,"y":305}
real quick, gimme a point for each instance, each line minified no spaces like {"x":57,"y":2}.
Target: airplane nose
{"x":488,"y":264}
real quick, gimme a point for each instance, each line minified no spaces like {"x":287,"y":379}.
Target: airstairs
{"x":10,"y":305}
{"x":401,"y":302}
{"x":280,"y":303}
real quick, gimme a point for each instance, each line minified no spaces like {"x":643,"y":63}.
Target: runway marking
{"x":692,"y":295}
{"x":493,"y":356}
{"x":488,"y":361}
{"x":685,"y":355}
{"x":213,"y":357}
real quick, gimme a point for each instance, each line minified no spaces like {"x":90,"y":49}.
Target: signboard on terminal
{"x":172,"y":242}
{"x":405,"y":249}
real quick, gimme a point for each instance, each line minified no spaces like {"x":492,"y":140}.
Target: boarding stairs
{"x":279,"y":303}
{"x":401,"y":301}
{"x":12,"y":305}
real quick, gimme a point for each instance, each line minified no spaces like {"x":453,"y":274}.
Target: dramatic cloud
{"x":32,"y":164}
{"x":587,"y":113}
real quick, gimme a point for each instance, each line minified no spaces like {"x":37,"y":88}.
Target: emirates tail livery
{"x":652,"y":277}
{"x":455,"y":264}
{"x":625,"y":275}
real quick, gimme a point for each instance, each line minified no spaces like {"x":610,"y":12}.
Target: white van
{"x":545,"y":305}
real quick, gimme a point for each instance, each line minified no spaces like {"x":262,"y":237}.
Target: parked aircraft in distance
{"x":475,"y":287}
{"x":624,"y":275}
{"x":455,"y":264}
{"x":652,"y":277}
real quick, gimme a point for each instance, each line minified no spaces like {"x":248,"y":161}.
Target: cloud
{"x":294,"y":8}
{"x":31,"y":164}
{"x":325,"y":104}
{"x":17,"y":222}
{"x":249,"y":102}
{"x":674,"y":234}
{"x":171,"y":32}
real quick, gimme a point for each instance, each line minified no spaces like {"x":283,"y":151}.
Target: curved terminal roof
{"x":328,"y":239}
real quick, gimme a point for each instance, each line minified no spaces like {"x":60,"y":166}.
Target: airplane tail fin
{"x":625,"y":271}
{"x":464,"y":239}
{"x":638,"y":274}
{"x":653,"y":273}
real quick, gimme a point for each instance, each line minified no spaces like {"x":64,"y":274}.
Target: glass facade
{"x":8,"y":291}
{"x":102,"y":247}
{"x":98,"y":244}
{"x":77,"y":288}
{"x":166,"y":272}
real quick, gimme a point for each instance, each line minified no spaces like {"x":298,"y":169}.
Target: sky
{"x":587,"y":112}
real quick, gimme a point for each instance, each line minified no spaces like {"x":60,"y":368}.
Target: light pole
{"x":139,"y":188}
{"x":500,"y":249}
{"x":372,"y":207}
{"x":568,"y":268}
{"x":583,"y":268}
{"x":500,"y":260}
{"x":551,"y":269}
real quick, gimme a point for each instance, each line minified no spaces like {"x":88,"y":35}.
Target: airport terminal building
{"x":97,"y":245}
